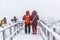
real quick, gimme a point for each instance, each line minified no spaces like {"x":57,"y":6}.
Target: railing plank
{"x":8,"y":27}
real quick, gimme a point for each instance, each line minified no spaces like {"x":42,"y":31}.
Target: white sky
{"x":45,"y":8}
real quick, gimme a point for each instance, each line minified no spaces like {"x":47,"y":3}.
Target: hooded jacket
{"x":34,"y":13}
{"x":24,"y":17}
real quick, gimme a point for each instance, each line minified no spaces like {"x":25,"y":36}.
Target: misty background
{"x":45,"y":8}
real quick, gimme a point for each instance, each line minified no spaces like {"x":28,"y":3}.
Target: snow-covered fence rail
{"x":17,"y":24}
{"x":48,"y":33}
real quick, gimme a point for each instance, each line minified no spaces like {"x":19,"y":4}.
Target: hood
{"x":34,"y":12}
{"x":27,"y":13}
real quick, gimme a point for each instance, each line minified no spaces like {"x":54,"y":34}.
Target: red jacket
{"x":34,"y":23}
{"x":24,"y":17}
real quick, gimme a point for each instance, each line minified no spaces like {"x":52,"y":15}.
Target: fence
{"x":16,"y":30}
{"x":47,"y":32}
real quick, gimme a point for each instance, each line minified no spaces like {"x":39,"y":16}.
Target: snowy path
{"x":23,"y":36}
{"x":28,"y":37}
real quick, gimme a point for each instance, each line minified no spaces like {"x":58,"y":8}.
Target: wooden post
{"x":54,"y":31}
{"x":11,"y":33}
{"x":15,"y":29}
{"x":3,"y":33}
{"x":48,"y":33}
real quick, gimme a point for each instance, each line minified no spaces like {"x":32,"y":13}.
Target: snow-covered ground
{"x":28,"y":37}
{"x":23,"y":36}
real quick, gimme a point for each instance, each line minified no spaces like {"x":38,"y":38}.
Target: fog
{"x":44,"y":8}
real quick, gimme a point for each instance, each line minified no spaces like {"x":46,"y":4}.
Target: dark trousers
{"x":27,"y":28}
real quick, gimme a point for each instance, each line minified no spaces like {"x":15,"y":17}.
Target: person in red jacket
{"x":26,"y":17}
{"x":34,"y":19}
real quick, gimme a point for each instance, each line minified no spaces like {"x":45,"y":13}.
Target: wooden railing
{"x":16,"y":26}
{"x":48,"y":33}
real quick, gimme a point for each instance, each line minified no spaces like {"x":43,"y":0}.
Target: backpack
{"x":27,"y":19}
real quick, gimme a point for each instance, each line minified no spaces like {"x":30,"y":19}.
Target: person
{"x":26,"y":18}
{"x":14,"y":19}
{"x":4,"y":21}
{"x":34,"y":18}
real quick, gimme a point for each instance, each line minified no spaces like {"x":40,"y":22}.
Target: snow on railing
{"x":45,"y":38}
{"x":17,"y":24}
{"x":54,"y":34}
{"x":8,"y":26}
